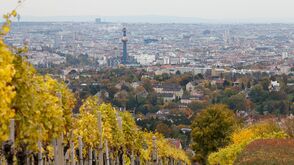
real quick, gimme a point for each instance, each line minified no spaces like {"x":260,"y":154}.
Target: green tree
{"x":237,"y":102}
{"x":211,"y":130}
{"x":147,"y":85}
{"x":197,"y":105}
{"x":164,"y":129}
{"x":257,"y":94}
{"x":265,"y":82}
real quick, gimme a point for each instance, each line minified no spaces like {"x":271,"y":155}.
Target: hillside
{"x":269,"y":152}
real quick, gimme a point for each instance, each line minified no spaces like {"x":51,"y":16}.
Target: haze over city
{"x":233,"y":11}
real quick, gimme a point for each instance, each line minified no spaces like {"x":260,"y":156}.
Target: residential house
{"x":274,"y":86}
{"x":169,"y":88}
{"x":218,"y":83}
{"x":191,"y":86}
{"x":186,"y":100}
{"x":190,"y":99}
{"x":176,"y":143}
{"x":167,"y":97}
{"x":135,"y":84}
{"x":102,"y":94}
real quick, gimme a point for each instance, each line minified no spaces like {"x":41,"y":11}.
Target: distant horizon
{"x":264,"y":11}
{"x":152,"y":19}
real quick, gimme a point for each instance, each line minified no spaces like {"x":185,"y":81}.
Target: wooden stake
{"x":132,"y":158}
{"x":80,"y":150}
{"x":120,"y":126}
{"x":28,"y":160}
{"x":154,"y":150}
{"x":95,"y":157}
{"x":11,"y":141}
{"x":72,"y":153}
{"x":101,"y":142}
{"x":107,"y":153}
{"x":60,"y":150}
{"x":33,"y":160}
{"x":138,"y":160}
{"x":119,"y":121}
{"x":90,"y":155}
{"x":40,"y":156}
{"x":54,"y":143}
{"x":12,"y":130}
{"x":67,"y":157}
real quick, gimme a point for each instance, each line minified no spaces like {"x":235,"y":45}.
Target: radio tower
{"x":124,"y":41}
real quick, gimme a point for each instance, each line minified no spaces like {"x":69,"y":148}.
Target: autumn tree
{"x":147,"y":85}
{"x":197,"y":105}
{"x":164,"y":129}
{"x":237,"y":102}
{"x":211,"y":130}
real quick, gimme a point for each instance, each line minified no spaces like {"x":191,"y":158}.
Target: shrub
{"x":241,"y":138}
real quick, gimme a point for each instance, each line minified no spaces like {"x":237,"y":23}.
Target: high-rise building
{"x":124,"y":41}
{"x":98,"y":20}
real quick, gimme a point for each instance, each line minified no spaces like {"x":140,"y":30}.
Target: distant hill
{"x":151,"y":19}
{"x":268,"y":152}
{"x":116,"y":19}
{"x":156,"y":19}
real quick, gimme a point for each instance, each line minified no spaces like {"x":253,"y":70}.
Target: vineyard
{"x":37,"y":125}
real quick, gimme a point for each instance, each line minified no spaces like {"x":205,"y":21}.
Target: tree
{"x":288,"y":126}
{"x":228,"y":92}
{"x":211,"y":130}
{"x":248,"y":84}
{"x":200,"y":76}
{"x":237,"y":102}
{"x":185,"y":79}
{"x":163,"y":129}
{"x":265,"y":82}
{"x":257,"y":94}
{"x":147,"y":85}
{"x":197,"y":105}
{"x":121,"y":99}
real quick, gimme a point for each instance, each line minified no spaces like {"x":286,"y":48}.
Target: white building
{"x":145,"y":59}
{"x":102,"y":60}
{"x":284,"y":55}
{"x":166,"y":60}
{"x":274,"y":86}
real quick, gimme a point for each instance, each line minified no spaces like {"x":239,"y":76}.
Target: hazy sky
{"x":207,"y":9}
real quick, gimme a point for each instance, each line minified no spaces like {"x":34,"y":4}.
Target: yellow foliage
{"x":7,"y":71}
{"x":39,"y":113}
{"x":111,"y":131}
{"x":131,"y":132}
{"x":86,"y":124}
{"x":241,"y":138}
{"x":7,"y":93}
{"x":163,"y":147}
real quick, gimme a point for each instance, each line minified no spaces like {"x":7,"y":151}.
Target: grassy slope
{"x":268,"y":152}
